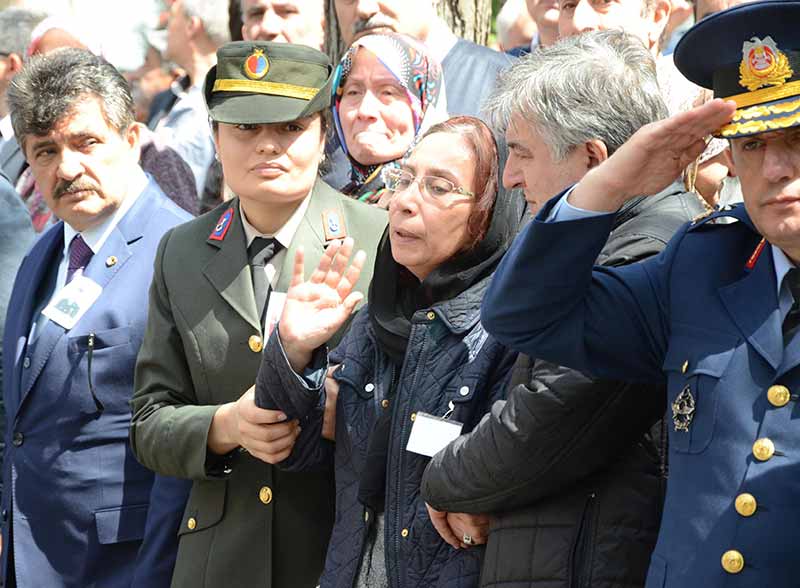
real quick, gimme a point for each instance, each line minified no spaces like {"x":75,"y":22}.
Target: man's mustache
{"x":376,"y":21}
{"x":76,"y":185}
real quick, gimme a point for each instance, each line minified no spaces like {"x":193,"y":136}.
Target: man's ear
{"x":727,"y":159}
{"x":194,"y":26}
{"x":596,"y":152}
{"x":133,"y":137}
{"x":659,"y":17}
{"x":14,"y":63}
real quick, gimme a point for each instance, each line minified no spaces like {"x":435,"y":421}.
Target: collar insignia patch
{"x":763,"y":64}
{"x":683,"y":410}
{"x":223,"y":224}
{"x":256,"y":65}
{"x":333,"y":224}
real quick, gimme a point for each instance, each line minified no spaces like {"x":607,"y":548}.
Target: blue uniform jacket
{"x":76,"y":504}
{"x":704,"y":316}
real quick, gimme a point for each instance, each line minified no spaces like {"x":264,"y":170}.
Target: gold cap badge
{"x":763,"y":64}
{"x":256,"y":65}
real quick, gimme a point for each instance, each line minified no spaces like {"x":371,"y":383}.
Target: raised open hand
{"x":316,"y":308}
{"x":651,"y":159}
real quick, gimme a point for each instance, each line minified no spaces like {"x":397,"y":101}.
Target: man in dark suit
{"x":77,"y":506}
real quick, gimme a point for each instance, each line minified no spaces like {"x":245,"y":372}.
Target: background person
{"x":301,"y":22}
{"x":196,"y":28}
{"x":219,"y":286}
{"x":387,"y":92}
{"x":417,"y":348}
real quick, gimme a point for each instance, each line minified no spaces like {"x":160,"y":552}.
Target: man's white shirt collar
{"x":440,"y":40}
{"x":6,"y":128}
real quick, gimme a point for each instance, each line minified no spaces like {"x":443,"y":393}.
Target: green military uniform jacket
{"x":246,"y":523}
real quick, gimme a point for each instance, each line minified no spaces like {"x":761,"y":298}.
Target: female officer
{"x":218,"y":282}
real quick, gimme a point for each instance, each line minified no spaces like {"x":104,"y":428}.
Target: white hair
{"x":598,"y":85}
{"x":214,"y":16}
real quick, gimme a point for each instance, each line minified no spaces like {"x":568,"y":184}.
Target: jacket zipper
{"x":581,"y":559}
{"x":404,"y":419}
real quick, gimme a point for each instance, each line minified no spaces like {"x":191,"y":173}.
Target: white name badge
{"x":430,"y":434}
{"x":71,"y":303}
{"x":274,"y":311}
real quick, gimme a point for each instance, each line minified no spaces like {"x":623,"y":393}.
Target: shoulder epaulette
{"x":712,"y":217}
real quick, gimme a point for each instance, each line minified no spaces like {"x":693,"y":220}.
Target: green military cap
{"x":264,"y":82}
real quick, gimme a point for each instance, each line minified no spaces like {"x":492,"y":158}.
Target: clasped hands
{"x":313,"y":312}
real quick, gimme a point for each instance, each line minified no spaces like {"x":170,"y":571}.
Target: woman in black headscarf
{"x":415,"y":357}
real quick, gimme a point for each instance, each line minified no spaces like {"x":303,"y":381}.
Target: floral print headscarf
{"x":418,"y":73}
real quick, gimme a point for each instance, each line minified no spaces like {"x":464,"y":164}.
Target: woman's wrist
{"x":221,"y":435}
{"x":297,"y":356}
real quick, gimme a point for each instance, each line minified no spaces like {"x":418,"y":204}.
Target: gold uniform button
{"x":413,"y":417}
{"x":404,"y":533}
{"x":385,"y":403}
{"x":779,"y":396}
{"x":431,"y":315}
{"x":111,"y":261}
{"x":192,"y":524}
{"x":763,"y":449}
{"x":265,"y":495}
{"x":685,"y":367}
{"x":746,"y":505}
{"x":732,"y":561}
{"x":256,"y":344}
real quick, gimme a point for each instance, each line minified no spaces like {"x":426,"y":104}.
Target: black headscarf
{"x":395,"y":294}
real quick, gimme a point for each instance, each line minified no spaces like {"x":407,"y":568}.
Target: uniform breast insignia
{"x":683,"y":410}
{"x":763,"y":64}
{"x":223,"y":224}
{"x":333,"y":224}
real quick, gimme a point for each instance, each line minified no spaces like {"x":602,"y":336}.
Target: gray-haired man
{"x":196,"y":28}
{"x":76,"y":506}
{"x":576,"y":482}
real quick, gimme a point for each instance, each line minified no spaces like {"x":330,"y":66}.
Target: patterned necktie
{"x":79,"y":256}
{"x":260,"y":251}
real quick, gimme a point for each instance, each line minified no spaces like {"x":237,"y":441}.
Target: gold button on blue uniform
{"x":732,"y":561}
{"x":746,"y":504}
{"x":763,"y":449}
{"x":778,"y":396}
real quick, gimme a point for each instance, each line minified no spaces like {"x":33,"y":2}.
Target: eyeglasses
{"x":398,"y":180}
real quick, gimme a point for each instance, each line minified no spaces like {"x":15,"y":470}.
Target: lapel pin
{"x":111,"y":261}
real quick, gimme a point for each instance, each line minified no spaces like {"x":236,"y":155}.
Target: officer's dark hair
{"x":51,"y":85}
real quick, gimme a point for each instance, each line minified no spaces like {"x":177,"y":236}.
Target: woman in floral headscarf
{"x":387,"y":91}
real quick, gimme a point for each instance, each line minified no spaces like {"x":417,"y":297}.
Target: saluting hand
{"x":651,"y":159}
{"x":315,"y":309}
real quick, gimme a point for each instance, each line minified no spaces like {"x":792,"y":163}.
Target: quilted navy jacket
{"x":451,"y":363}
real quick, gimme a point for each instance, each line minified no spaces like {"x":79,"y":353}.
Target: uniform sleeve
{"x":547,"y":300}
{"x":169,"y":431}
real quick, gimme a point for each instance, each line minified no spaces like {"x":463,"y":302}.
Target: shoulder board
{"x":723,"y":216}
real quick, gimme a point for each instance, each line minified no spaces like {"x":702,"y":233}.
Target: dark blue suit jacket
{"x":703,"y":316}
{"x":77,"y":504}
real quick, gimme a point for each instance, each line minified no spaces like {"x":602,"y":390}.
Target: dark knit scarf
{"x":395,"y":294}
